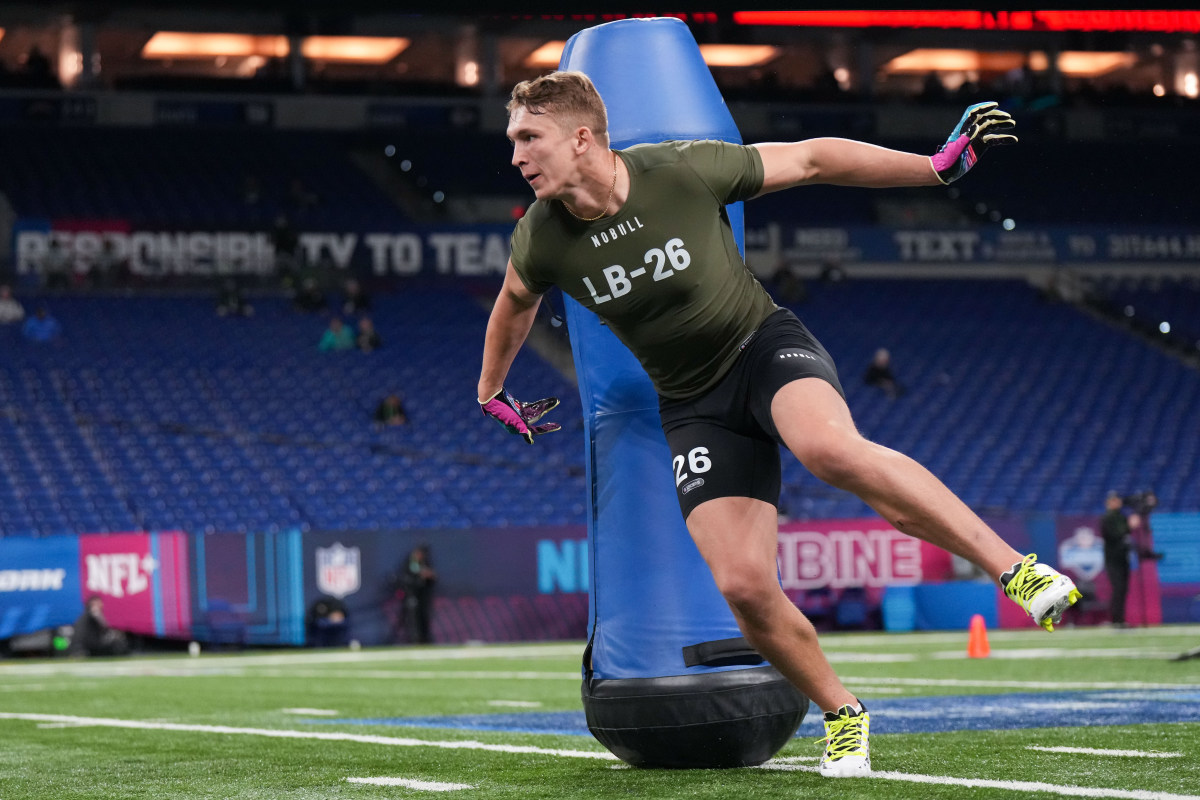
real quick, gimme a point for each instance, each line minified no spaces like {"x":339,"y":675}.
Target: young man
{"x":735,"y":373}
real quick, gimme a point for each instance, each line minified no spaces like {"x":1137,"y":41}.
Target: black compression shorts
{"x":724,"y":442}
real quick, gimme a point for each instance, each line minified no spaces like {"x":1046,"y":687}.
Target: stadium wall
{"x":531,"y":583}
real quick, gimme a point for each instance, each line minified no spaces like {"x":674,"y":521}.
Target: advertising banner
{"x":143,"y":578}
{"x":39,"y":584}
{"x":481,"y":251}
{"x":491,"y":585}
{"x":1081,"y":555}
{"x":247,"y":588}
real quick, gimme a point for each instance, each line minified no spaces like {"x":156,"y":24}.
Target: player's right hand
{"x":518,"y":417}
{"x":982,"y":126}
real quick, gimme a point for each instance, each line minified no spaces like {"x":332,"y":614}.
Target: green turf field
{"x":273,"y":724}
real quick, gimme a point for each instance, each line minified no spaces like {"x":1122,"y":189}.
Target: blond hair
{"x":569,"y":95}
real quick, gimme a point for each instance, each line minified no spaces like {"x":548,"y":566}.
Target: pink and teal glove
{"x":518,"y":417}
{"x":982,"y":125}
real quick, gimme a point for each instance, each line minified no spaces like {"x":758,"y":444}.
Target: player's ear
{"x":584,"y":139}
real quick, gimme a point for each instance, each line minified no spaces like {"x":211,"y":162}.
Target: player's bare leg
{"x":738,"y":538}
{"x":816,"y":425}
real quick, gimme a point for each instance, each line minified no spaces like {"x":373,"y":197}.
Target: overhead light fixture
{"x":176,"y":44}
{"x":715,"y":55}
{"x":927,"y":59}
{"x":360,"y":49}
{"x":1085,"y":64}
{"x":1073,"y":63}
{"x":737,"y":55}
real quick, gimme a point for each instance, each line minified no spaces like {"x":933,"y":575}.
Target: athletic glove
{"x":982,"y":125}
{"x":518,"y":417}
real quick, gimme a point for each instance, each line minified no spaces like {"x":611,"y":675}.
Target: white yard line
{"x":1092,"y":751}
{"x":400,"y":655}
{"x":515,"y":703}
{"x":997,"y":684}
{"x":410,"y":783}
{"x":464,"y":744}
{"x":1016,"y":786}
{"x":311,"y":712}
{"x":1039,"y":653}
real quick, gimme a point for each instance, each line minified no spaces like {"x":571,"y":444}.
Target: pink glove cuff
{"x":946,"y":157}
{"x":505,"y":413}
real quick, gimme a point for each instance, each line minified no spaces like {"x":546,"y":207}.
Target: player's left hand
{"x":518,"y":417}
{"x":982,"y":125}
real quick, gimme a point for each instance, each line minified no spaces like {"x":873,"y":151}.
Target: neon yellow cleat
{"x":1044,"y":592}
{"x":847,"y":743}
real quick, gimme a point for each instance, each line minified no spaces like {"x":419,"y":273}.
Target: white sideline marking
{"x":515,"y":703}
{"x":409,"y":783}
{"x":311,"y":712}
{"x":1091,"y":751}
{"x":1016,"y":786}
{"x":461,"y":744}
{"x":237,"y":661}
{"x":393,"y":675}
{"x":1039,"y":653}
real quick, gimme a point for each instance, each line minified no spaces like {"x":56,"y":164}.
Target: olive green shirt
{"x":664,"y":273}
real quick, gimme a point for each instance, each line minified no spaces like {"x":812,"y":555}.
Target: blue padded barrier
{"x":651,"y":593}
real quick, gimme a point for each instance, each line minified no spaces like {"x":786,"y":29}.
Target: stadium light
{"x":176,"y":44}
{"x":357,"y":49}
{"x":715,"y":55}
{"x":361,"y":49}
{"x":1074,"y":63}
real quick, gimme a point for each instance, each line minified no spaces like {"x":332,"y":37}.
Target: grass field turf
{"x":64,"y":724}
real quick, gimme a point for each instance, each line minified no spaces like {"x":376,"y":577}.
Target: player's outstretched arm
{"x":508,"y":327}
{"x":845,"y":162}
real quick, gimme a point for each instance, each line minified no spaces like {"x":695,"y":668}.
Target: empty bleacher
{"x":154,"y":413}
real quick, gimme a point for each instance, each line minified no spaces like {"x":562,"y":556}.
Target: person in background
{"x":336,"y":337}
{"x":390,"y":411}
{"x":419,"y":578}
{"x":356,"y":300}
{"x":1118,"y":541}
{"x":879,"y":373}
{"x":328,"y":623}
{"x":230,"y":302}
{"x":11,"y":309}
{"x":93,"y":636}
{"x":42,"y":327}
{"x":368,"y":338}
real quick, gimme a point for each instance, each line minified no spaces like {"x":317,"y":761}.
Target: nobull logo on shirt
{"x":119,"y":574}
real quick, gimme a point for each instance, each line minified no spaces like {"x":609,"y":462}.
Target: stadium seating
{"x":156,"y":414}
{"x":187,"y":178}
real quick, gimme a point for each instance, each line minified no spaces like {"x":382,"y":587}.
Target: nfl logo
{"x":337,"y":570}
{"x":1082,"y":554}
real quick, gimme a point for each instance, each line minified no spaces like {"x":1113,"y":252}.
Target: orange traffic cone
{"x":977,"y":643}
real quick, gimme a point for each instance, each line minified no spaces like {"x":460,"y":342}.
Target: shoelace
{"x":1027,"y":583}
{"x":844,"y":737}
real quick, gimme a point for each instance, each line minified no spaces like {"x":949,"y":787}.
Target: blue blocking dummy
{"x":668,"y":680}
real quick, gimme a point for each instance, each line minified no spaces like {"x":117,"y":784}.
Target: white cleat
{"x":1044,"y":592}
{"x":847,"y":743}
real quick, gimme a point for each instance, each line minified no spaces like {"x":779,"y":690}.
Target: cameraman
{"x":1114,"y":527}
